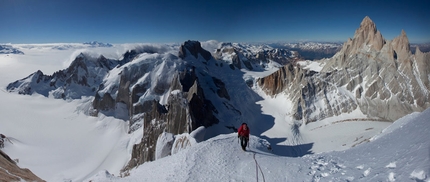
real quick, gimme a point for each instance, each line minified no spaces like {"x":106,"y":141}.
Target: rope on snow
{"x":257,"y":166}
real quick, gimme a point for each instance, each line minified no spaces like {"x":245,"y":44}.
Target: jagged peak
{"x":191,"y":43}
{"x":101,"y":57}
{"x":38,"y":72}
{"x":366,"y":21}
{"x":226,"y":44}
{"x":81,"y":55}
{"x":195,"y":48}
{"x":366,"y":34}
{"x":367,"y":25}
{"x":418,"y":51}
{"x":402,"y":38}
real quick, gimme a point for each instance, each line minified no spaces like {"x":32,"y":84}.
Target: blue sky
{"x":160,"y":21}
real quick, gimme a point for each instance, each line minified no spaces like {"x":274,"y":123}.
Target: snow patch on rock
{"x":164,"y":145}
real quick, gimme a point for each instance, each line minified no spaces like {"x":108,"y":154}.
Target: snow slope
{"x":62,"y":145}
{"x":50,"y":136}
{"x":400,"y":153}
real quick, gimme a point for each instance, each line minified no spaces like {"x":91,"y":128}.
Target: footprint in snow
{"x":349,"y":179}
{"x":391,"y":177}
{"x":418,"y":175}
{"x":391,"y":165}
{"x":366,"y":172}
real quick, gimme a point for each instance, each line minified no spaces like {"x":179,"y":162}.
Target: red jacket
{"x":242,"y":132}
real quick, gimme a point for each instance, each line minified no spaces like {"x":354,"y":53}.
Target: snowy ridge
{"x":146,"y":69}
{"x":397,"y":155}
{"x":80,"y":79}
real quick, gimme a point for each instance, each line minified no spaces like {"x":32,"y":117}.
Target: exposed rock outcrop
{"x":308,"y":92}
{"x":194,"y":48}
{"x":182,"y":142}
{"x":9,"y":171}
{"x":164,"y":145}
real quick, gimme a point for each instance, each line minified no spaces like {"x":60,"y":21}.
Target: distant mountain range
{"x":97,"y":44}
{"x":311,"y":50}
{"x":9,"y":49}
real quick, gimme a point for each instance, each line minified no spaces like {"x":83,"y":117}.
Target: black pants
{"x":243,"y":141}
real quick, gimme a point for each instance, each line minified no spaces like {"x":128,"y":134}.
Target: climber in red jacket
{"x":243,"y":134}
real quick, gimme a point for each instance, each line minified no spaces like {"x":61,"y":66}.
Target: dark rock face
{"x":103,"y":103}
{"x":222,"y":91}
{"x":194,"y":48}
{"x":237,"y":62}
{"x":201,"y":109}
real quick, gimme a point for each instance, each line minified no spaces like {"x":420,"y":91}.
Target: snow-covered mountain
{"x":249,"y":54}
{"x":382,"y":79}
{"x":81,"y":79}
{"x":311,"y":50}
{"x":97,"y":44}
{"x":8,"y":49}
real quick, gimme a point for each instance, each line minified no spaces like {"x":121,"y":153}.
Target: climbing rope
{"x":257,"y":166}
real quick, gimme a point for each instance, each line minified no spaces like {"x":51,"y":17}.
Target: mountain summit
{"x":382,"y":79}
{"x":367,"y":35}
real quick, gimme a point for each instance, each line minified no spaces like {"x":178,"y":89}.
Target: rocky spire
{"x":367,"y":24}
{"x":367,"y":37}
{"x":401,"y":46}
{"x":367,"y":34}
